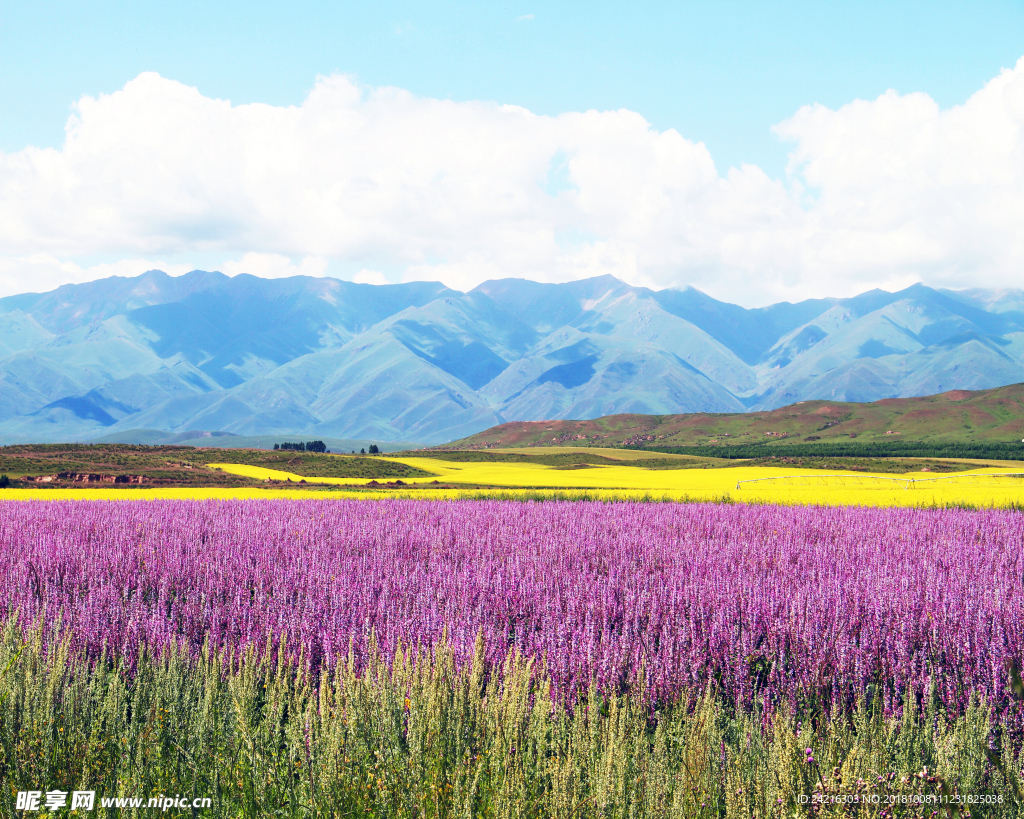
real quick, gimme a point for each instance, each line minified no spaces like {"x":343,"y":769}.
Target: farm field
{"x":405,"y":658}
{"x":109,"y":472}
{"x":750,"y":484}
{"x":980,"y":487}
{"x":171,"y":466}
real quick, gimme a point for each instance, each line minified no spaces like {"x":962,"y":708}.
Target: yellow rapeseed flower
{"x":617,"y":482}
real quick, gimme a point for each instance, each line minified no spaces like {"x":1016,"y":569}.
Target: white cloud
{"x":901,"y":186}
{"x":880,"y":193}
{"x":523,"y":18}
{"x":365,"y":276}
{"x":274,"y":266}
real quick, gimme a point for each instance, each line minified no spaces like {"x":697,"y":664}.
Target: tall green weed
{"x":419,"y":735}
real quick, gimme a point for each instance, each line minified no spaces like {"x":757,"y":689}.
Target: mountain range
{"x":321,"y":357}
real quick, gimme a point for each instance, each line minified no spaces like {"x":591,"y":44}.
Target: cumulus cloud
{"x":879,"y":193}
{"x":899,"y":185}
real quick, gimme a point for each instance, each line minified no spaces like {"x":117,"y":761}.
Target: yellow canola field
{"x":508,"y":480}
{"x":976,"y":487}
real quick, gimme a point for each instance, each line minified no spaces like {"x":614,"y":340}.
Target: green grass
{"x":419,"y":735}
{"x":562,"y":460}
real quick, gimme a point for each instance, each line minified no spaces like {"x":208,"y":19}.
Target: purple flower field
{"x":777,"y":603}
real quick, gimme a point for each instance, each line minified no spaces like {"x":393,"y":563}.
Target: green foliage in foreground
{"x":418,"y":737}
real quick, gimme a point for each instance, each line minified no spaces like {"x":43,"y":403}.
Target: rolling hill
{"x":324,"y":358}
{"x":955,"y":418}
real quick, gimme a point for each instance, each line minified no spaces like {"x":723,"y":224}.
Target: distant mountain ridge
{"x":421,"y":362}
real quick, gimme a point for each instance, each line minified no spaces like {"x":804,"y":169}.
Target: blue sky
{"x":758,"y":151}
{"x":722,"y":73}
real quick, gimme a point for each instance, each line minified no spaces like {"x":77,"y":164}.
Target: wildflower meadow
{"x":495,"y":658}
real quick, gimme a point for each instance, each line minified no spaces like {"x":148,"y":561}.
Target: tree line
{"x":308,"y":446}
{"x":883,"y":449}
{"x":318,"y":446}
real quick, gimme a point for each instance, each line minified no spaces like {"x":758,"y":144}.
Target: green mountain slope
{"x":951,"y":420}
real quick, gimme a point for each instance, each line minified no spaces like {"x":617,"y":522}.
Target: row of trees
{"x":318,"y":446}
{"x":1006,"y":451}
{"x":308,"y":446}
